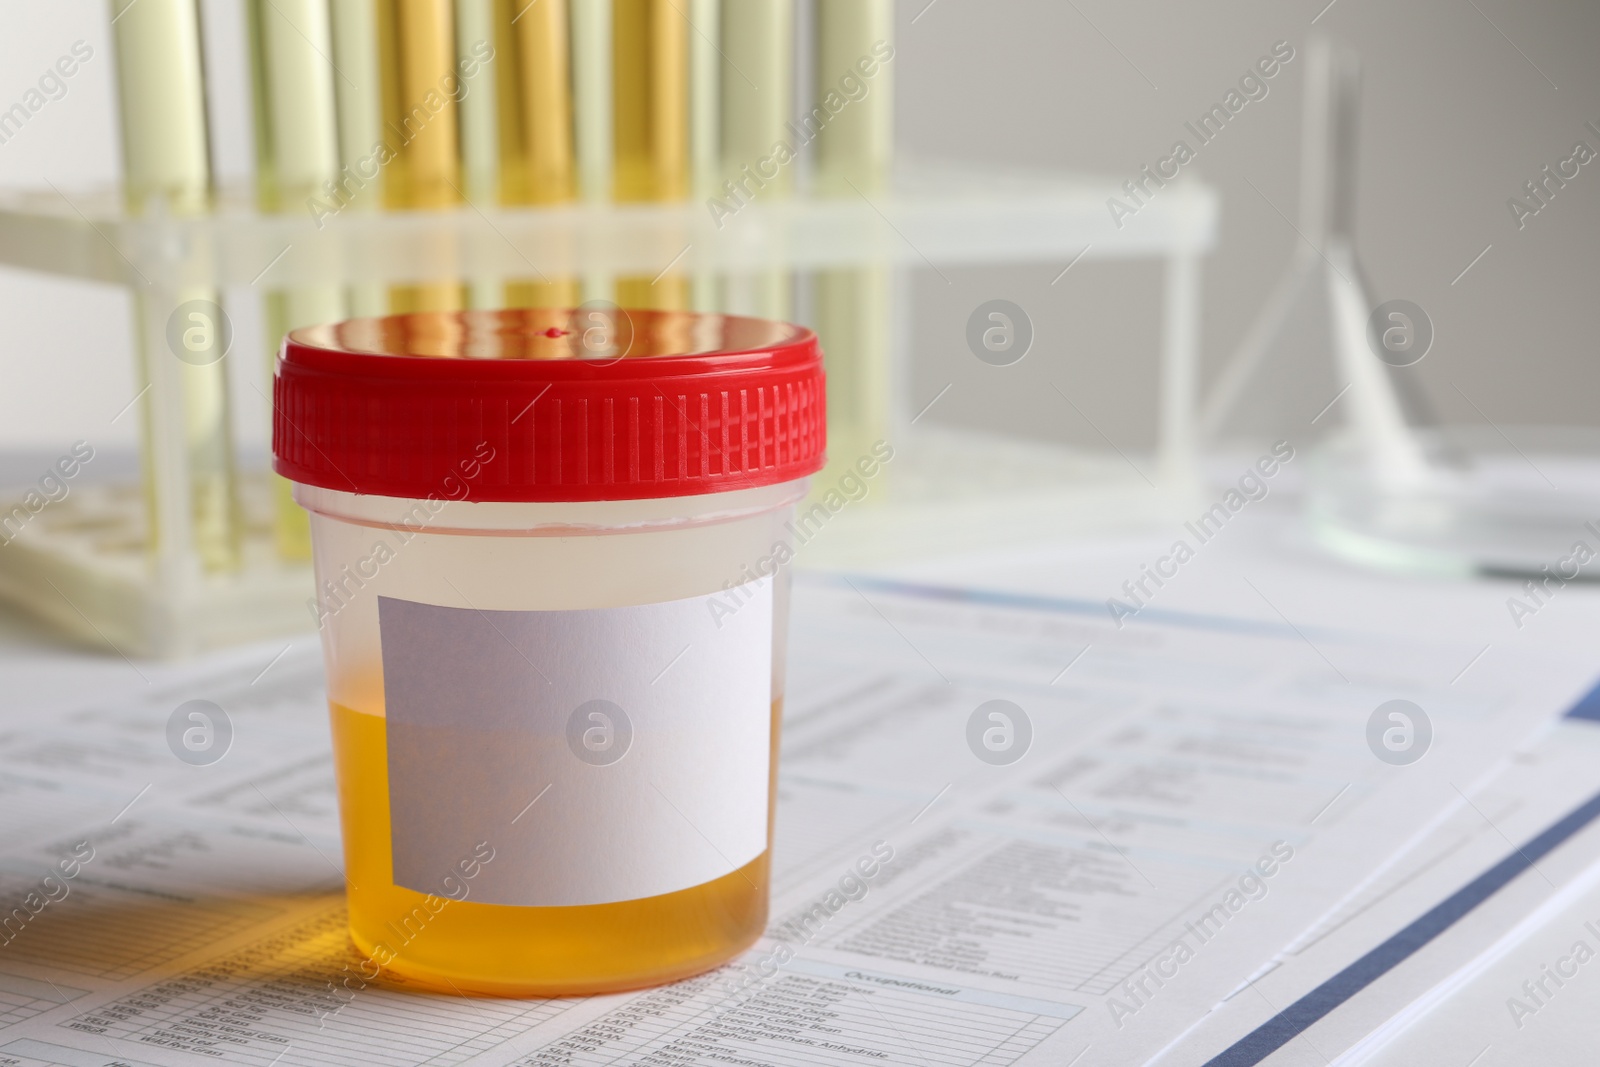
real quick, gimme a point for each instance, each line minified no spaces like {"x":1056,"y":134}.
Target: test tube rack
{"x":93,"y":569}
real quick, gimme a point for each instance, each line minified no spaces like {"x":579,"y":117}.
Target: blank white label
{"x":604,"y":754}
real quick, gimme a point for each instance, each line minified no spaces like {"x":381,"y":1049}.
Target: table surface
{"x":1264,"y":569}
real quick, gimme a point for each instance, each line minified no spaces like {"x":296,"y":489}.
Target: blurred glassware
{"x":1508,"y":501}
{"x":166,"y":156}
{"x":297,"y":152}
{"x":1391,"y":486}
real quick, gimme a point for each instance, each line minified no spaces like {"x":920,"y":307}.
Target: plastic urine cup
{"x":549,"y":552}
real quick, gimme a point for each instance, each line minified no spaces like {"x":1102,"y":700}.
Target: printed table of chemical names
{"x":812,"y":1013}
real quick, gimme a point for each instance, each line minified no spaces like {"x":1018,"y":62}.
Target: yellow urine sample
{"x":538,"y":160}
{"x":419,"y":79}
{"x":430,"y":296}
{"x":649,"y":100}
{"x":504,"y":950}
{"x":670,"y":292}
{"x":552,"y":293}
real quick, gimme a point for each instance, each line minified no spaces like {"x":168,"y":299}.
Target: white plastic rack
{"x":90,"y":566}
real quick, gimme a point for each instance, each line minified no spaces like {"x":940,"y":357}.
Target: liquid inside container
{"x":555,"y":721}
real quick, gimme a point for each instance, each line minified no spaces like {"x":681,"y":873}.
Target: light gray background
{"x":1454,"y":120}
{"x":1465,"y":100}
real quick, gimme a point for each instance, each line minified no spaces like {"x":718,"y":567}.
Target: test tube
{"x":705,"y":127}
{"x":479,"y":108}
{"x":705,"y":93}
{"x":297,"y":154}
{"x":538,"y":163}
{"x":591,"y":96}
{"x":591,"y":117}
{"x":537,"y":152}
{"x":650,"y":126}
{"x":758,"y":89}
{"x":757,"y":104}
{"x":297,"y":137}
{"x":188,"y":448}
{"x":419,"y":85}
{"x":650,"y":105}
{"x":853,"y":151}
{"x":358,"y":97}
{"x":478,"y":112}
